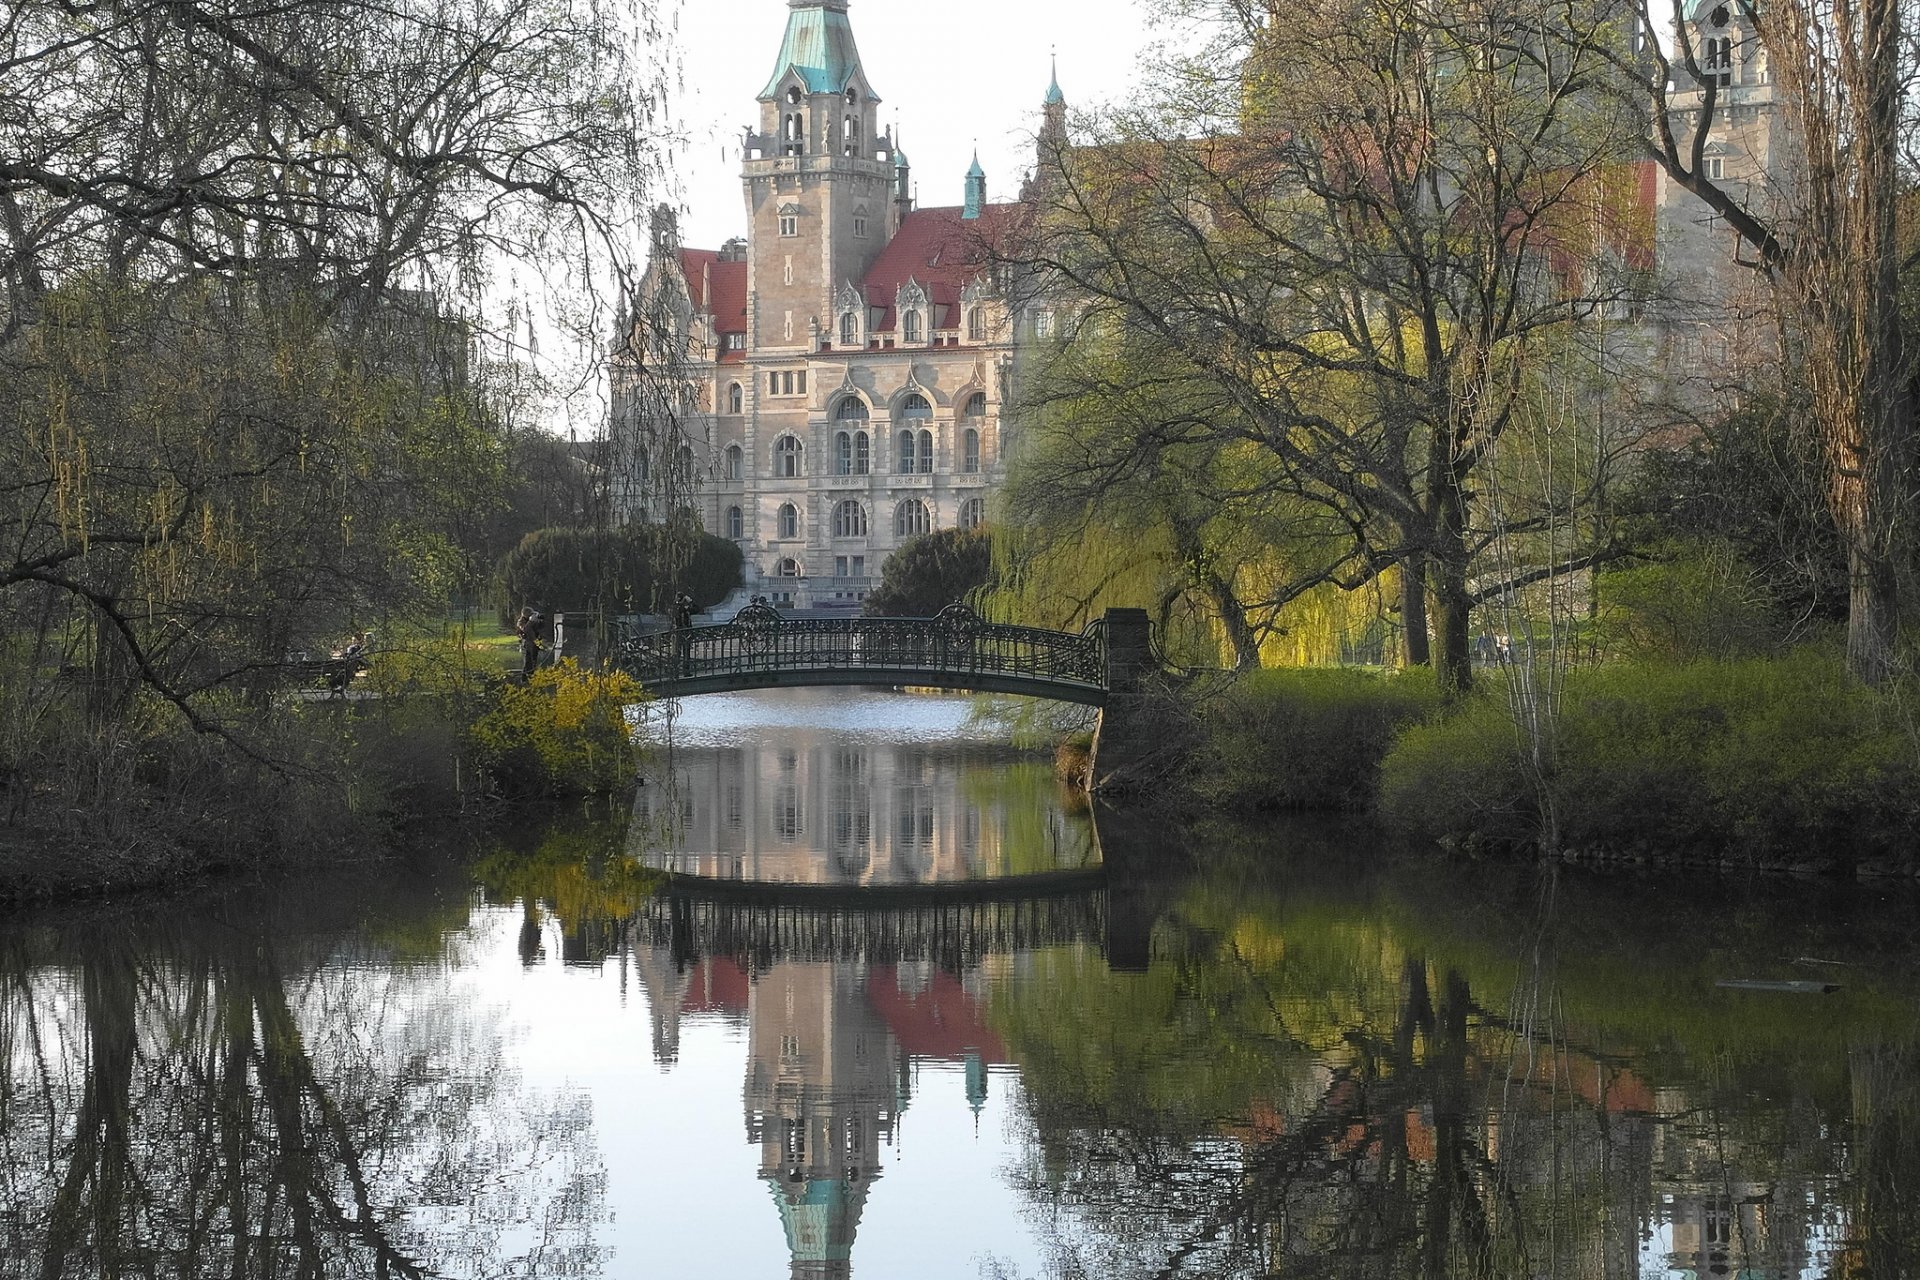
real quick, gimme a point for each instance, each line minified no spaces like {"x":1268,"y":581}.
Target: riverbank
{"x":299,"y":784}
{"x":1765,"y":763}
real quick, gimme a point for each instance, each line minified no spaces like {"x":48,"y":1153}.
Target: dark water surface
{"x":907,"y":1013}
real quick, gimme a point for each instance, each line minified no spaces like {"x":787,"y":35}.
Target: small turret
{"x":902,"y":183}
{"x":976,"y":188}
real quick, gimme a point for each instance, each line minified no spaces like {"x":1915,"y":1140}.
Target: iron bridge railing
{"x":952,"y":648}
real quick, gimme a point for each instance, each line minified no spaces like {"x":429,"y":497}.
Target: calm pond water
{"x":918,"y":1013}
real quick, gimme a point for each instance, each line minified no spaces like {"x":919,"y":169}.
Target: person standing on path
{"x":527,"y":627}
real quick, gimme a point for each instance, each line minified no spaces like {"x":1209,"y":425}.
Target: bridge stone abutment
{"x":1124,"y":743}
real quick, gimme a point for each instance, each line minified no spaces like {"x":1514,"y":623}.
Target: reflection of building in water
{"x":797,"y":807}
{"x":1726,"y":1222}
{"x":825,"y":1083}
{"x":830,"y":1055}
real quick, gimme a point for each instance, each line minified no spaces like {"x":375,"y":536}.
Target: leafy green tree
{"x":947,"y":566}
{"x":637,"y":569}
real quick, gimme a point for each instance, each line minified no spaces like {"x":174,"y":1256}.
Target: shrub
{"x":565,"y":732}
{"x":1306,"y":738}
{"x":1700,"y":601}
{"x":1766,"y":762}
{"x":638,"y":569}
{"x":931,"y":572}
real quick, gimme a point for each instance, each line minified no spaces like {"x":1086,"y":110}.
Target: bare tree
{"x":1826,"y":234}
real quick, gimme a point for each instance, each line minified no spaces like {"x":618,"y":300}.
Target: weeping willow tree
{"x":247,"y":275}
{"x":1344,"y":237}
{"x":1140,"y":479}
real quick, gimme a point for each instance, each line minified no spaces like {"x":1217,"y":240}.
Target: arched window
{"x":850,"y":520}
{"x":852,"y":409}
{"x":787,"y":522}
{"x":736,"y":399}
{"x":973,"y":513}
{"x":843,"y":453}
{"x":911,"y":518}
{"x":970,"y":451}
{"x":786,"y":458}
{"x":976,"y":325}
{"x":849,"y":329}
{"x":736,"y":523}
{"x":910,"y":326}
{"x":916,"y":446}
{"x":862,"y":453}
{"x":789,"y":568}
{"x":976,"y":405}
{"x":735,"y":462}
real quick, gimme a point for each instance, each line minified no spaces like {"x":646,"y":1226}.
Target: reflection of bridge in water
{"x":954,"y":926}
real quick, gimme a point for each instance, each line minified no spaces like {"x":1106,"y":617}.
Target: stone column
{"x":1123,"y":743}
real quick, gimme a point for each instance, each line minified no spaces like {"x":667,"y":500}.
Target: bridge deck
{"x":957,"y":650}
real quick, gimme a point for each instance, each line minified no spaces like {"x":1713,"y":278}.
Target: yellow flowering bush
{"x":563,"y":732}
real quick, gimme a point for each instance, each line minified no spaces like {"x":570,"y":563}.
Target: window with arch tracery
{"x":970,"y":451}
{"x":849,"y":329}
{"x":736,"y":462}
{"x":786,"y":458}
{"x":850,"y":520}
{"x":910,"y":326}
{"x":789,"y":568}
{"x":911,"y":518}
{"x":973,"y":513}
{"x":787,"y":522}
{"x":736,"y":398}
{"x":736,"y":523}
{"x":976,"y":325}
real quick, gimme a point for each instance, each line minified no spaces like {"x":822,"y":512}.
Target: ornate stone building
{"x":830,"y":385}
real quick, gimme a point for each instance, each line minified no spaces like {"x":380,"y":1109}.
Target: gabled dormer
{"x":850,"y":319}
{"x":913,"y":315}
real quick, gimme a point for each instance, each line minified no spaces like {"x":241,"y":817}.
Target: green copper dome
{"x":818,"y":47}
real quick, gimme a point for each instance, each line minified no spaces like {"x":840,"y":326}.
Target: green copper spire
{"x":976,"y":188}
{"x":818,"y":47}
{"x":1054,"y":96}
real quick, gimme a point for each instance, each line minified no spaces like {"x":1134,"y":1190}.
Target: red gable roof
{"x":728,"y":303}
{"x":941,"y":251}
{"x":943,"y":1021}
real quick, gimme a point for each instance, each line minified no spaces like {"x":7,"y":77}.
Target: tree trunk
{"x":1453,"y":609}
{"x":1413,"y":611}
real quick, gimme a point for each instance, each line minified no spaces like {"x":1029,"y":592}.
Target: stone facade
{"x":834,"y":380}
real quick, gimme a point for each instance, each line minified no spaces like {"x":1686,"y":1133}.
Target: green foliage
{"x":1748,"y":489}
{"x":1767,"y":762}
{"x":1306,"y":738}
{"x":564,"y":732}
{"x":638,"y":569}
{"x":1696,"y":600}
{"x":933,"y":571}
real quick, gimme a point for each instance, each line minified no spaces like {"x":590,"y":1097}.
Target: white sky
{"x":953,"y":75}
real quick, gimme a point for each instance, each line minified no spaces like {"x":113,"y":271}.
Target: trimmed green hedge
{"x":1766,"y":762}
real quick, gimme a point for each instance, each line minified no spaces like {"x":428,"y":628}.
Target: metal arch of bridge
{"x":760,"y":648}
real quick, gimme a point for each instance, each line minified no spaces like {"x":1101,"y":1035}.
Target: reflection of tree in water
{"x":1292,"y":1090}
{"x":190,"y":1095}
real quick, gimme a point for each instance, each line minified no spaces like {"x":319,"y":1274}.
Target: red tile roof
{"x":940,"y":250}
{"x":943,"y":1021}
{"x":705,"y":269}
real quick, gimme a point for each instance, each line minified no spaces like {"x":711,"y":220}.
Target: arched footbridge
{"x":958,"y":649}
